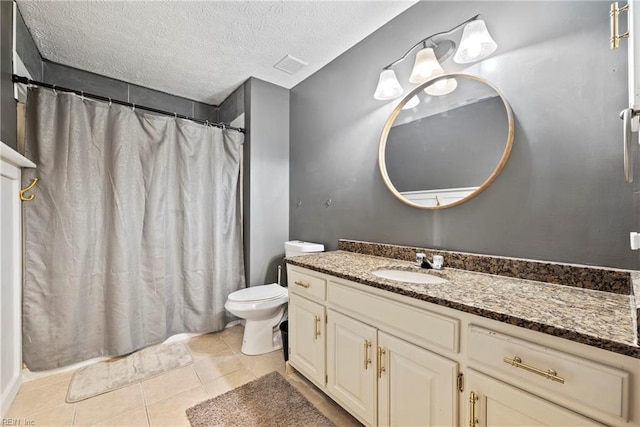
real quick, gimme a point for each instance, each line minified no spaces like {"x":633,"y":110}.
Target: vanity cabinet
{"x":416,"y":387}
{"x":352,"y":364}
{"x":307,"y":323}
{"x":495,"y":403}
{"x":395,"y":360}
{"x":548,"y":372}
{"x":372,"y":369}
{"x":306,"y":337}
{"x":386,"y":381}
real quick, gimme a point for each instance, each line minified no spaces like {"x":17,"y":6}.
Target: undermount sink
{"x":408,"y":276}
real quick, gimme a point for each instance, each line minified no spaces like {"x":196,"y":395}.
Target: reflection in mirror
{"x":447,"y":148}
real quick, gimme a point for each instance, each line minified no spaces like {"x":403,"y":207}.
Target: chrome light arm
{"x":430,"y":40}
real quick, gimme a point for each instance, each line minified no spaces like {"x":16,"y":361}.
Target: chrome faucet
{"x":423,"y":262}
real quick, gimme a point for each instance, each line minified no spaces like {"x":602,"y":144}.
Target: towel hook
{"x":34,"y":181}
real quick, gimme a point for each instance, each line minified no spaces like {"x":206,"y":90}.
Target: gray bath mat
{"x":113,"y":374}
{"x":269,"y":401}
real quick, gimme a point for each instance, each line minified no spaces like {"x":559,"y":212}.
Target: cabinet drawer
{"x":412,"y":324}
{"x":307,"y":285}
{"x":589,"y":383}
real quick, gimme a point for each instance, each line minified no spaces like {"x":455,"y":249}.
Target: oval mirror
{"x":446,"y":141}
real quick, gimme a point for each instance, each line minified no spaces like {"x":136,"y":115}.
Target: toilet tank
{"x":298,"y":247}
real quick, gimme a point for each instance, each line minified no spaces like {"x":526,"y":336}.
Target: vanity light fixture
{"x":388,"y":86}
{"x":476,"y":44}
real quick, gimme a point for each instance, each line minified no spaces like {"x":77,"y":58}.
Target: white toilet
{"x":263,"y":307}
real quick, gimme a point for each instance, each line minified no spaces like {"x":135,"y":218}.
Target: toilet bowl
{"x":263,"y":307}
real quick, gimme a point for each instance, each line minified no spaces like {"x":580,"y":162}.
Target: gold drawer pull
{"x":304,"y":285}
{"x":316,"y":327}
{"x":473,"y":398}
{"x":549,"y":374}
{"x":381,"y":368}
{"x":367,"y":359}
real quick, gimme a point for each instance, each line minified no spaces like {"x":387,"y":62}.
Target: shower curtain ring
{"x":54,"y":90}
{"x":109,"y":102}
{"x":206,"y":123}
{"x":82,"y":95}
{"x":133,"y":107}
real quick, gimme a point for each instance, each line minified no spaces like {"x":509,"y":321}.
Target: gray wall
{"x":232,"y":107}
{"x":7,"y":103}
{"x":74,"y":78}
{"x":561,"y":196}
{"x":266,"y":175}
{"x":27,"y":49}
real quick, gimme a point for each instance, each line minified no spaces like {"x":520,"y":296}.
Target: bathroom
{"x":311,"y":156}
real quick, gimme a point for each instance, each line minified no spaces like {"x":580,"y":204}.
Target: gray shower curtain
{"x":135,"y":231}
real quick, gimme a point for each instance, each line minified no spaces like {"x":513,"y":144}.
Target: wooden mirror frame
{"x":392,"y":117}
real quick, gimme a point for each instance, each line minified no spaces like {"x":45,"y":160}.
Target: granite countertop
{"x":596,"y":318}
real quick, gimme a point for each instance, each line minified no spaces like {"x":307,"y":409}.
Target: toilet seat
{"x":260,"y":293}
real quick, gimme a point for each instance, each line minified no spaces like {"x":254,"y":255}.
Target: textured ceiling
{"x":201,"y":50}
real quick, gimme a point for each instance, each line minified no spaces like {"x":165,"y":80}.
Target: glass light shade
{"x":476,"y":43}
{"x":413,"y":102}
{"x":442,"y":87}
{"x":426,"y":66}
{"x":388,"y":86}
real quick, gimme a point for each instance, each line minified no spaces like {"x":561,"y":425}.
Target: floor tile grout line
{"x":40,"y":411}
{"x":73,"y":417}
{"x":116,"y":416}
{"x":33,"y":414}
{"x":68,"y":380}
{"x":146,"y":413}
{"x":144,"y":397}
{"x":197,"y":376}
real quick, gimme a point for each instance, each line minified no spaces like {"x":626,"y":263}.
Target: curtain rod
{"x":27,"y":81}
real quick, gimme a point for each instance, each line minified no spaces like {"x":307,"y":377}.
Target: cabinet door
{"x":10,"y":286}
{"x":501,"y":404}
{"x":306,"y":338}
{"x":416,"y":387}
{"x":351,"y":365}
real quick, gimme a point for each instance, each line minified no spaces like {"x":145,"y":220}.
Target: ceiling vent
{"x":290,"y":64}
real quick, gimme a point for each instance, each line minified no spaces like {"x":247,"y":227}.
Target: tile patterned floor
{"x":218,"y":366}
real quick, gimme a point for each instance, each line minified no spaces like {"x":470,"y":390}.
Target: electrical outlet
{"x":634,"y":240}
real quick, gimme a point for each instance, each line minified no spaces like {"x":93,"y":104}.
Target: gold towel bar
{"x":614,"y":14}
